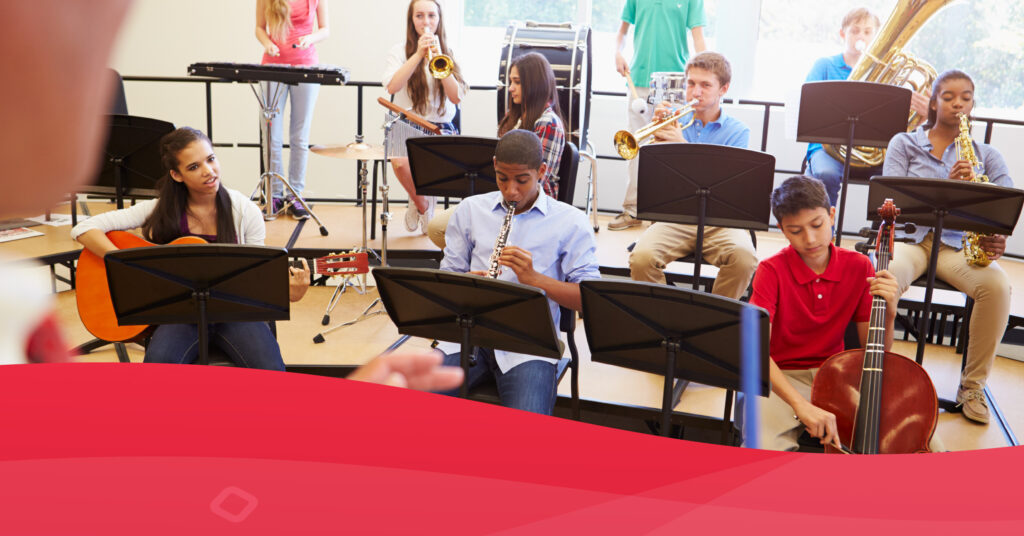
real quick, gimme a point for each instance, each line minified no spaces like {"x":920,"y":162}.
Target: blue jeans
{"x":303,"y":100}
{"x":248,"y":344}
{"x":829,"y":171}
{"x":527,"y":386}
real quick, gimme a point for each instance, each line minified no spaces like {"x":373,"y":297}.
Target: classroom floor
{"x":358,"y":343}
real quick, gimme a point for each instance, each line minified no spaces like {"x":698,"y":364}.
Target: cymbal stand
{"x":347,"y":278}
{"x":367,"y":313}
{"x":263,"y":194}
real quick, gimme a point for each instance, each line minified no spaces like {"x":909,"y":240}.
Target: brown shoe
{"x":623,"y":221}
{"x":973,"y":403}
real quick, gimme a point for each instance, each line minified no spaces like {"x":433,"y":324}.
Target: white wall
{"x":162,"y":38}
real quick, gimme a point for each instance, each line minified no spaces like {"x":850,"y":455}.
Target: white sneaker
{"x":412,"y":217}
{"x":428,"y":215}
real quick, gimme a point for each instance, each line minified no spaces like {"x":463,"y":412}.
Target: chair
{"x":488,"y":391}
{"x":567,"y":169}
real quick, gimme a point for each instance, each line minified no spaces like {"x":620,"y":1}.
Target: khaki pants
{"x":731,"y":250}
{"x":988,"y":286}
{"x":779,"y":428}
{"x":438,"y":225}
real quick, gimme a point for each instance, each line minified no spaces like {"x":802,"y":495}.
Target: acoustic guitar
{"x":96,"y":308}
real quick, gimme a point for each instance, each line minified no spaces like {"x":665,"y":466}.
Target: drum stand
{"x":590,"y":207}
{"x":264,"y":192}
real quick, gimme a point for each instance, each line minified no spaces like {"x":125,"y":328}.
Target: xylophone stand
{"x":270,"y":108}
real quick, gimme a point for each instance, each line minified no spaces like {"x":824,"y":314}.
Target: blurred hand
{"x":419,"y":370}
{"x":272,"y":50}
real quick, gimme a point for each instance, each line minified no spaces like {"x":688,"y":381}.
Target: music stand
{"x":453,"y":166}
{"x":853,"y":114}
{"x":470,"y":310}
{"x":131,"y":160}
{"x":198,"y":284}
{"x":678,"y":333}
{"x":702,"y":184}
{"x":946,"y":204}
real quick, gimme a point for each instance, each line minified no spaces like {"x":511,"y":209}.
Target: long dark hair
{"x":417,"y":84}
{"x":164,"y":224}
{"x":942,"y":78}
{"x":536,"y":92}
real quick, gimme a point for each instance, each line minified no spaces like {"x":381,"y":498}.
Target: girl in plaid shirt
{"x":534,"y":101}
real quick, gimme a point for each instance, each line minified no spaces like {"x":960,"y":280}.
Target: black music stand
{"x":468,"y":309}
{"x":198,"y":284}
{"x":853,"y":114}
{"x":946,"y":204}
{"x":702,"y":184}
{"x":678,"y":333}
{"x":131,"y":160}
{"x":453,"y":166}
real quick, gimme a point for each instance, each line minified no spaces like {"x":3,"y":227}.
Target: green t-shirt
{"x":659,"y":38}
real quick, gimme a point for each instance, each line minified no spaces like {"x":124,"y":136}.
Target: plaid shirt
{"x":548,"y":128}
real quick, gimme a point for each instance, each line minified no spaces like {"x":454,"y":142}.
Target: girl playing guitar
{"x":193,"y":202}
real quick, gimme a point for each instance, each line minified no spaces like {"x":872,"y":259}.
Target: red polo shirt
{"x":809,"y":312}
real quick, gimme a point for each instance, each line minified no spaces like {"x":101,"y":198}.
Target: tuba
{"x":884,"y":62}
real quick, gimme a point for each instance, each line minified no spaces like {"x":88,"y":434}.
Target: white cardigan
{"x":249,"y":226}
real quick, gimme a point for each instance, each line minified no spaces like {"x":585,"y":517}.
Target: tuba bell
{"x":885,"y":62}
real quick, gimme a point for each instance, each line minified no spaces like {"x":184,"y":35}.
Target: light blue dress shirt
{"x":557,"y":235}
{"x":909,"y":155}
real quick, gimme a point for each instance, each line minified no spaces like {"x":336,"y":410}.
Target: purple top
{"x":186,"y":232}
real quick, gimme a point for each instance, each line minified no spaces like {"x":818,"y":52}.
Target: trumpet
{"x":628,"y":143}
{"x":440,"y":65}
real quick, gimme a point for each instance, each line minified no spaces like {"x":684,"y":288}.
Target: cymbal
{"x":351,"y":151}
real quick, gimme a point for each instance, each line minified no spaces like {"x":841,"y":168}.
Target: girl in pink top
{"x":288,"y":29}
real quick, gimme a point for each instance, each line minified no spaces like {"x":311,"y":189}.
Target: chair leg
{"x":574,"y":375}
{"x":122,"y":352}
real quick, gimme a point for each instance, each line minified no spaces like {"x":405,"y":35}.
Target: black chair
{"x":488,"y":391}
{"x":567,"y":169}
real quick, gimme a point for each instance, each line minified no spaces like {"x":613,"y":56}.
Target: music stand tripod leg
{"x":335,"y":296}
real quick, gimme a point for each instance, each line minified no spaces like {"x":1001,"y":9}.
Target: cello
{"x":884,"y":403}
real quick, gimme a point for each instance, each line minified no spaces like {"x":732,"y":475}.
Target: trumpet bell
{"x":440,"y":66}
{"x":626,"y":144}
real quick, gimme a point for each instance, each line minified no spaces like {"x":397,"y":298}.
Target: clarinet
{"x":499,"y":245}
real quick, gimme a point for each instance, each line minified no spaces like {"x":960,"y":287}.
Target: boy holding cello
{"x":812,"y":290}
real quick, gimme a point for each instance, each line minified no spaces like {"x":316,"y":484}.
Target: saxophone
{"x":499,"y":245}
{"x":973,"y":252}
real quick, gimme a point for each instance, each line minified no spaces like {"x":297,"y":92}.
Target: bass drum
{"x":566,"y":46}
